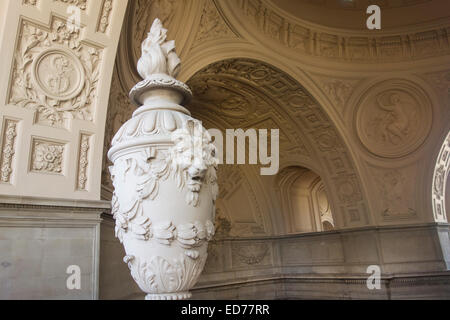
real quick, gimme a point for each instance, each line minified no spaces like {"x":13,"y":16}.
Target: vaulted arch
{"x":247,"y":93}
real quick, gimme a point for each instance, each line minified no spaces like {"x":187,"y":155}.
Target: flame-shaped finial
{"x":158,"y":55}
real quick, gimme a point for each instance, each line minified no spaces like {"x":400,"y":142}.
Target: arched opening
{"x":440,"y":192}
{"x":304,"y":200}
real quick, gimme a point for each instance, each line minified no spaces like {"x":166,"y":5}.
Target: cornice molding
{"x":263,"y":22}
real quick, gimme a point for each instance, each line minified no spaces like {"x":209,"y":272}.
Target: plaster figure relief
{"x":339,"y":91}
{"x":396,"y":193}
{"x":393,"y":122}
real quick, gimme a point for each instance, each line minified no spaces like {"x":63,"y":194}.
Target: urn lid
{"x":159,"y":81}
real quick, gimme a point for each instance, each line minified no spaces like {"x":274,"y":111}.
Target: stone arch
{"x":440,"y":182}
{"x":199,"y":52}
{"x":274,"y":99}
{"x":303,"y":200}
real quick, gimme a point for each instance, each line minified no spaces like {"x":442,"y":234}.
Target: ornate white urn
{"x":164,"y":176}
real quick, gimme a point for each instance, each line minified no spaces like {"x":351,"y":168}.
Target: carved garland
{"x":179,"y":163}
{"x":104,"y":18}
{"x":83,"y":161}
{"x":8,"y":150}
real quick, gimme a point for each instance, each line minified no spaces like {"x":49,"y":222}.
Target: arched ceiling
{"x":351,"y":14}
{"x":234,"y":92}
{"x":295,"y":37}
{"x":246,"y":93}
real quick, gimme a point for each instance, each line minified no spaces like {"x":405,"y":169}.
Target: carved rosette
{"x":164,"y":176}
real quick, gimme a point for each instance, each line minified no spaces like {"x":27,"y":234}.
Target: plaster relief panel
{"x":337,"y":90}
{"x":47,"y":156}
{"x":56,"y":70}
{"x":55,"y":73}
{"x":396,"y":190}
{"x":394,"y":118}
{"x":212,"y":25}
{"x":8,"y":149}
{"x":347,"y":189}
{"x":30,"y":2}
{"x":79,"y":3}
{"x":253,"y":254}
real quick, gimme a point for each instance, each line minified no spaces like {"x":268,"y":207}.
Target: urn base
{"x":169,"y":296}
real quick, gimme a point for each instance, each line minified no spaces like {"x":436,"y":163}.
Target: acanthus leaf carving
{"x":157,"y":275}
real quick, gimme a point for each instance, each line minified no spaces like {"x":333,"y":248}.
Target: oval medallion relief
{"x":394,"y":118}
{"x":58,"y":73}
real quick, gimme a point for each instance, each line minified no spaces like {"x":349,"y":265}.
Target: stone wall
{"x":40,"y":239}
{"x":413,"y":260}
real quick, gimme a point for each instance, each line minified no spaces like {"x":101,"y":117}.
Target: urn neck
{"x":161,"y":99}
{"x":160,"y":89}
